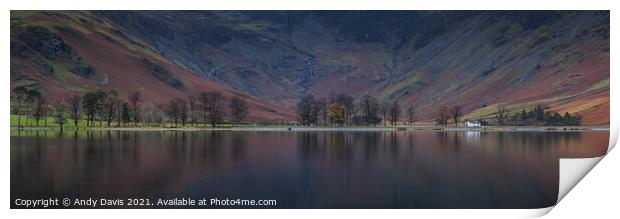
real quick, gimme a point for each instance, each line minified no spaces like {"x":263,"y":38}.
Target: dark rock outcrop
{"x":43,"y":47}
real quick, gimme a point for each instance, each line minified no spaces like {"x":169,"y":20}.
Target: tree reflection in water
{"x":393,"y":169}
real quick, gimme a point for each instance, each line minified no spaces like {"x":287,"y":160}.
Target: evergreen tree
{"x":125,"y":114}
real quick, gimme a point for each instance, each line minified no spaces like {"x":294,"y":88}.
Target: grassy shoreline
{"x":328,"y":128}
{"x":257,"y":127}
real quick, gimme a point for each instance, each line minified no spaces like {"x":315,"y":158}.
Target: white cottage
{"x":472,"y":124}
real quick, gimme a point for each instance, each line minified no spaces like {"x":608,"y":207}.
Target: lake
{"x":301,"y":169}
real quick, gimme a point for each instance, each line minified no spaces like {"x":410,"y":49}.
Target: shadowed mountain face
{"x":63,"y":52}
{"x":477,"y":59}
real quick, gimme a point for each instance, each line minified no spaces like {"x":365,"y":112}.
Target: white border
{"x":608,"y":172}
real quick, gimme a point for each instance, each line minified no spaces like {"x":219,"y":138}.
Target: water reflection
{"x":302,"y":169}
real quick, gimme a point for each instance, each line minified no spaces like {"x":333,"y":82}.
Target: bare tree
{"x":238,"y":109}
{"x":215,"y":108}
{"x":370,"y":108}
{"x":357,"y":108}
{"x":345,"y":102}
{"x":183,"y":110}
{"x":49,"y":109}
{"x":323,"y":111}
{"x":193,"y":108}
{"x":385,"y":110}
{"x":112,"y":103}
{"x":308,"y":109}
{"x":32,"y":97}
{"x":158,"y":114}
{"x":148,"y":110}
{"x":456,"y":113}
{"x":394,"y":112}
{"x":444,"y":115}
{"x":411,"y":114}
{"x":74,"y":107}
{"x":40,"y":108}
{"x":151,"y":113}
{"x":119,"y":112}
{"x":203,"y":104}
{"x":21,"y":94}
{"x":134,"y":99}
{"x":93,"y":103}
{"x":173,"y":110}
{"x":60,"y":117}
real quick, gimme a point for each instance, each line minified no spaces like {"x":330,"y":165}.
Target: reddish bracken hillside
{"x":562,"y":64}
{"x":477,"y":59}
{"x":119,"y":62}
{"x":480,"y":60}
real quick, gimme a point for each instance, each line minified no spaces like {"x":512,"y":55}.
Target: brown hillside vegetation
{"x":475,"y":59}
{"x":119,"y":65}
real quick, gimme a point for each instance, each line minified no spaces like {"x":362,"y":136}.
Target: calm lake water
{"x":375,"y":169}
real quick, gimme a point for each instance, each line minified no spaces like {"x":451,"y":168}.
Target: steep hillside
{"x":73,"y":52}
{"x":477,"y":59}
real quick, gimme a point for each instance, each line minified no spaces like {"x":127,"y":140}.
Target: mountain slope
{"x":66,"y":52}
{"x":477,"y":59}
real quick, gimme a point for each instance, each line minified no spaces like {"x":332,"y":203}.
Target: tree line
{"x":537,"y":116}
{"x":210,"y":108}
{"x":341,"y":109}
{"x":207,"y":108}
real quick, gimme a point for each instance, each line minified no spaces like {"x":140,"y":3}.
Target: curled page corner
{"x":572,"y":171}
{"x":534,"y":213}
{"x":613,"y":137}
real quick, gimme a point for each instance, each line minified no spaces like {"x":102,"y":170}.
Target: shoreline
{"x":335,"y":129}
